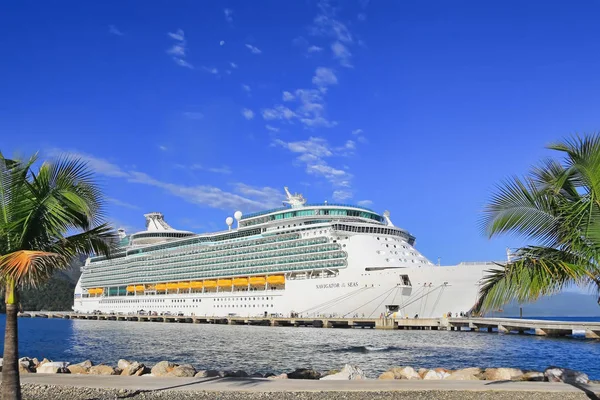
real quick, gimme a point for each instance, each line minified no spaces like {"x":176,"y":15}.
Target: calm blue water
{"x":278,"y":349}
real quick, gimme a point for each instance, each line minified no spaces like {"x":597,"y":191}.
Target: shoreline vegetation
{"x":347,"y":372}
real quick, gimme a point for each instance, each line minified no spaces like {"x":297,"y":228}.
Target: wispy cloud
{"x":341,"y":52}
{"x":211,"y":70}
{"x":163,"y":148}
{"x":246,"y":88}
{"x":342,"y":195}
{"x":253,"y":49}
{"x":198,"y":167}
{"x":121,"y":203}
{"x":247,"y":198}
{"x":272,"y":128}
{"x":228,"y":15}
{"x":233,"y":65}
{"x":314,"y":49}
{"x":326,"y":24}
{"x":361,"y":17}
{"x":359,"y":135}
{"x":312,"y":154}
{"x":179,"y":48}
{"x":193,"y":115}
{"x":287,"y":96}
{"x":324,"y":77}
{"x":278,"y":113}
{"x":221,"y":43}
{"x":365,"y":203}
{"x":114,"y":30}
{"x":247,"y":113}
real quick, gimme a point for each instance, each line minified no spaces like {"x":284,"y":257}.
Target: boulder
{"x":133,"y":369}
{"x":236,"y":374}
{"x":122,"y":364}
{"x":405,"y":373}
{"x":533,"y":376}
{"x":348,"y":373}
{"x":465,"y":374}
{"x":435,"y":375}
{"x":556,"y":374}
{"x":387,"y":375}
{"x":183,"y":371}
{"x":35,"y":362}
{"x":54,"y":368}
{"x":257,"y":375}
{"x":502,"y":374}
{"x":210,"y":373}
{"x":280,"y":376}
{"x":162,"y":368}
{"x":44,"y":361}
{"x":102,"y":370}
{"x":27,"y":362}
{"x":304,"y":373}
{"x":142,"y":371}
{"x":78,"y":369}
{"x":24,"y":370}
{"x":85,"y":364}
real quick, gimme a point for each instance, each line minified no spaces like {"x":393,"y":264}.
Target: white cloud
{"x":271,"y":128}
{"x":247,"y":113}
{"x":121,"y":203}
{"x":312,"y":154}
{"x":211,"y":70}
{"x":246,"y":88}
{"x":198,"y":167}
{"x":314,"y":49}
{"x":179,"y":48}
{"x":365,"y":203}
{"x":244,"y":197}
{"x":233,"y":65}
{"x":361,"y":17}
{"x":287,"y":96}
{"x":221,"y":43}
{"x":163,"y":148}
{"x":324,"y":77}
{"x":114,"y":30}
{"x":253,"y":49}
{"x":342,"y":53}
{"x":228,"y":15}
{"x":350,"y":145}
{"x":342,"y":195}
{"x":179,"y":35}
{"x":193,"y":115}
{"x":279,"y":112}
{"x":357,"y":131}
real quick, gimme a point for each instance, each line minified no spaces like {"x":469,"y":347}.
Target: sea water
{"x":283,"y":349}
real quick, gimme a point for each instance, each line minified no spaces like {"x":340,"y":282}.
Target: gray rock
{"x":236,"y":374}
{"x":465,"y":374}
{"x":257,"y":375}
{"x":533,"y":376}
{"x":387,"y":375}
{"x":54,"y":368}
{"x":304,"y":373}
{"x":163,"y":368}
{"x":122,"y":364}
{"x":348,"y":373}
{"x":403,"y":373}
{"x":102,"y":370}
{"x":85,"y":364}
{"x":183,"y":371}
{"x":132,"y":369}
{"x":280,"y":376}
{"x":502,"y":374}
{"x":556,"y":374}
{"x":212,"y":373}
{"x":432,"y":374}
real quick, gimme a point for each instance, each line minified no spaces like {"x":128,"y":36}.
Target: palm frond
{"x":28,"y":267}
{"x":536,"y":271}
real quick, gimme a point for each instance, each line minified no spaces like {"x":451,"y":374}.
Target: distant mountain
{"x":567,"y":304}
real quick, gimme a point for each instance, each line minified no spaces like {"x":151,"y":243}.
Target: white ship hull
{"x":372,"y":284}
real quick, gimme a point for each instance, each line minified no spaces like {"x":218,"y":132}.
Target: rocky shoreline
{"x":348,"y":372}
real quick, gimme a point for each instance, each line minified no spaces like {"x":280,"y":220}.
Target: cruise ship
{"x":301,"y":259}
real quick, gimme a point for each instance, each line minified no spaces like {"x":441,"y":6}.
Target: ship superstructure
{"x":306,"y":259}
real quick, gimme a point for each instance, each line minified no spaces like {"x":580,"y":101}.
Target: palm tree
{"x":556,"y":207}
{"x":46,"y":218}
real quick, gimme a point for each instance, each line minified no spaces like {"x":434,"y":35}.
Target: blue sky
{"x":197,"y":109}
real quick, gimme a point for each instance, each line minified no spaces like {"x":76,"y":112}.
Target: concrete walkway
{"x":149,"y":383}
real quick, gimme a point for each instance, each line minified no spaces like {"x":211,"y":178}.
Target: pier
{"x":492,"y":325}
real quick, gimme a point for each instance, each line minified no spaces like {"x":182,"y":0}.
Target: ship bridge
{"x":157,"y":231}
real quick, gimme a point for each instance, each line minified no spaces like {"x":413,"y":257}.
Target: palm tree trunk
{"x":11,"y":385}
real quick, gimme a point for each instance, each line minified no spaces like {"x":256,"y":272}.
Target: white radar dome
{"x":237,"y":215}
{"x":229,"y":221}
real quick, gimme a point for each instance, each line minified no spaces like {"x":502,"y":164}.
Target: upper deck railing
{"x":258,"y":214}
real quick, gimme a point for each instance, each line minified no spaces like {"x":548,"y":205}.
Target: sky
{"x":197,"y":109}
